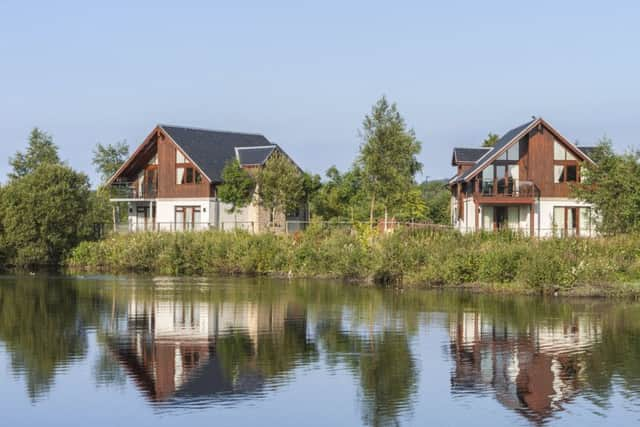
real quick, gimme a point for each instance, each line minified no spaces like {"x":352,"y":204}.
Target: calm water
{"x":107,"y":351}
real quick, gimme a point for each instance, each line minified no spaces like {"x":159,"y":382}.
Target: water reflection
{"x":189,"y":352}
{"x":534,"y":371}
{"x":186,"y":345}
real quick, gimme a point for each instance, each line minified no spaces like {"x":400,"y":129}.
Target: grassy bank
{"x":501,"y":262}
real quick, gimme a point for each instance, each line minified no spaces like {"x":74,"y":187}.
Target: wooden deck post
{"x":531,"y":220}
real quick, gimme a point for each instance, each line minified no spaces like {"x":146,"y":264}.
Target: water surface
{"x":106,"y":351}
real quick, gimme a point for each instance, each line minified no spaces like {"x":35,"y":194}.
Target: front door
{"x":145,"y":218}
{"x":142,"y":215}
{"x":501,"y":217}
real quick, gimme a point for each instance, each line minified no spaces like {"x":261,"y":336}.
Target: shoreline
{"x":605,"y":291}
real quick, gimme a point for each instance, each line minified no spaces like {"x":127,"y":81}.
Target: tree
{"x":490,"y":140}
{"x":413,"y":207}
{"x":108,"y":158}
{"x":387,"y":156}
{"x":44,"y":214}
{"x":280,"y":185}
{"x":237,"y":188}
{"x":342,"y":196}
{"x":612,"y":186}
{"x":40,"y":150}
{"x":438,"y":201}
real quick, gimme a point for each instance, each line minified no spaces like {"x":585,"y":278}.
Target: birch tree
{"x":387,"y":157}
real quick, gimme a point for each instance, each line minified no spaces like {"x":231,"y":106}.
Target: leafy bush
{"x":414,"y":258}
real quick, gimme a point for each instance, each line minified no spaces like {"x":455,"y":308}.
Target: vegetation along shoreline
{"x":496,"y":262}
{"x":528,"y":212}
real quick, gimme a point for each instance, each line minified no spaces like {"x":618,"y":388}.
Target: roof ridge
{"x":162,"y":125}
{"x":239,"y":147}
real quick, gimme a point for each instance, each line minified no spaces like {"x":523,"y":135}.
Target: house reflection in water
{"x":532,"y":371}
{"x":180,"y":352}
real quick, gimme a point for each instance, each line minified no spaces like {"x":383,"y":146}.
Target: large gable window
{"x":565,"y":167}
{"x":512,"y":154}
{"x":561,"y":153}
{"x":186,"y":173}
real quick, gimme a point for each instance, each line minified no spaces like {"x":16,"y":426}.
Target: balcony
{"x":506,"y":191}
{"x":127,"y":190}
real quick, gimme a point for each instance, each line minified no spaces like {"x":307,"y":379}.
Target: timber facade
{"x":522,"y":183}
{"x":170,"y":182}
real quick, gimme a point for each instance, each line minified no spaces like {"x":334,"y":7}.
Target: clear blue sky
{"x":305,"y":73}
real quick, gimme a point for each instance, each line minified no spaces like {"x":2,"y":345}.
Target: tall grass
{"x":411,"y":258}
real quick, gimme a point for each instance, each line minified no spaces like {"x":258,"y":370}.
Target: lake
{"x":104,"y":351}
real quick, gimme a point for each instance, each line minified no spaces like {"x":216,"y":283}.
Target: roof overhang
{"x":490,"y":155}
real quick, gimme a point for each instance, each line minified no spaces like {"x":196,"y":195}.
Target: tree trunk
{"x":113,"y":217}
{"x":373,"y":204}
{"x":385,"y":219}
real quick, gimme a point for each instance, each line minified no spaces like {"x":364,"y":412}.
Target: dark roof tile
{"x":249,"y":156}
{"x":502,"y":142}
{"x":468,"y":155}
{"x":211,"y":149}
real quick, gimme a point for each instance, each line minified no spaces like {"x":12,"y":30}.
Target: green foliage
{"x":413,"y":206}
{"x":387,"y":156}
{"x":108,"y":158}
{"x":612,"y":186}
{"x":422,"y":257}
{"x":490,"y":140}
{"x":238,"y":186}
{"x":342,"y":196}
{"x":40,"y":150}
{"x":44,"y":214}
{"x":438,"y":201}
{"x":280,"y":184}
{"x":39,"y":326}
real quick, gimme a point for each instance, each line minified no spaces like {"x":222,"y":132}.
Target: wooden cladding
{"x":193,"y":184}
{"x":542,"y":168}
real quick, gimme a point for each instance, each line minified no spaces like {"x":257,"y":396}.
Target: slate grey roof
{"x":502,"y":142}
{"x":251,"y":156}
{"x":468,"y":155}
{"x":211,"y":149}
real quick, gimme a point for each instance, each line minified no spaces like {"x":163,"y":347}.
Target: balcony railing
{"x":132,"y":190}
{"x":508,"y":188}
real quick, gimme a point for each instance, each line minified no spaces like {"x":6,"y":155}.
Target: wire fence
{"x":292,"y":227}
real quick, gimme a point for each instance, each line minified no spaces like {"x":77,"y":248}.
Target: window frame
{"x":189,"y":168}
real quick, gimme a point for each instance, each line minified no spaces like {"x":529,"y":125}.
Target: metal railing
{"x":132,"y":190}
{"x":249,"y":226}
{"x":508,"y":188}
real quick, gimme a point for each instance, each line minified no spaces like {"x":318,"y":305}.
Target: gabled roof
{"x":253,"y":156}
{"x":511,"y":137}
{"x":211,"y":149}
{"x":467,"y":155}
{"x":496,"y":149}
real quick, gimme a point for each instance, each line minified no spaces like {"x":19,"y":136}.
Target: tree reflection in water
{"x":186,"y":343}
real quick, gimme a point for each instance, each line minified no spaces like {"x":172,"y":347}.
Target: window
{"x":180,"y":158}
{"x":561,"y":153}
{"x":565,"y":221}
{"x":187,"y":217}
{"x":565,"y":173}
{"x":188,"y":175}
{"x":512,"y":154}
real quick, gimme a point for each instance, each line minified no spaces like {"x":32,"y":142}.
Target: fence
{"x":292,"y":227}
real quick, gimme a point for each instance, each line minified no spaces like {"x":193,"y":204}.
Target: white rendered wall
{"x":544,"y":215}
{"x":166,"y":211}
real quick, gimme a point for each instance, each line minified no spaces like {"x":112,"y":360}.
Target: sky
{"x":304,"y":74}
